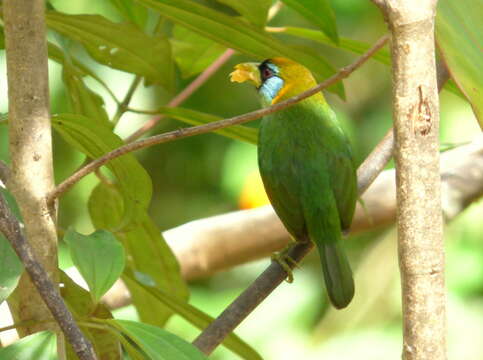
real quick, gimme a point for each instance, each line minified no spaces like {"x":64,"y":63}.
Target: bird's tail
{"x":337,"y":273}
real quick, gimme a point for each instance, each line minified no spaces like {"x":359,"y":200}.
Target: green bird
{"x":307,"y":167}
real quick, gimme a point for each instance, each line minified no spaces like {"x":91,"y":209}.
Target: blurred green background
{"x":209,"y":174}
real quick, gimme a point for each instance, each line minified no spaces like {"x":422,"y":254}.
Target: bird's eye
{"x":266,"y":73}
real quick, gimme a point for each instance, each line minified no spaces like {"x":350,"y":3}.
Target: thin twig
{"x":216,"y":125}
{"x":123,"y":105}
{"x":10,"y":228}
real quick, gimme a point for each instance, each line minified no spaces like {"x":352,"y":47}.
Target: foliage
{"x":165,"y":43}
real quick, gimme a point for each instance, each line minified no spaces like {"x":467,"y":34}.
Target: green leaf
{"x":318,"y":12}
{"x":83,"y":100}
{"x":193,"y":117}
{"x":10,"y":269}
{"x":131,"y":11}
{"x":121,"y":46}
{"x":79,"y":301}
{"x":255,"y":11}
{"x":2,"y":38}
{"x":95,"y":139}
{"x":10,"y":265}
{"x":193,"y":53}
{"x":236,"y":34}
{"x":157,"y":343}
{"x":99,"y":257}
{"x":355,"y":46}
{"x":146,"y":252}
{"x":193,"y":316}
{"x":459,"y":28}
{"x":41,"y":345}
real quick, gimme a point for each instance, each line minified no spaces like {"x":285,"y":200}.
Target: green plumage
{"x":309,"y":174}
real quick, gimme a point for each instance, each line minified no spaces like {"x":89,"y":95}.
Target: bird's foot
{"x":286,"y":262}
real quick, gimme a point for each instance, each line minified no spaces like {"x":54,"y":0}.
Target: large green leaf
{"x":121,"y":46}
{"x":157,"y":343}
{"x":236,"y":34}
{"x":146,"y":250}
{"x":95,"y":139}
{"x":255,"y":11}
{"x":106,"y":344}
{"x":318,"y":12}
{"x":193,"y":53}
{"x":193,"y":117}
{"x":192,"y":315}
{"x":459,"y":29}
{"x":99,"y":257}
{"x":355,"y":46}
{"x":41,"y":345}
{"x":131,"y":11}
{"x":83,"y":100}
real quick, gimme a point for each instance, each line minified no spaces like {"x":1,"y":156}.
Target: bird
{"x":307,"y":166}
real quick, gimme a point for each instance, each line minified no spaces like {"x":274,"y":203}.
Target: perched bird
{"x":306,"y":164}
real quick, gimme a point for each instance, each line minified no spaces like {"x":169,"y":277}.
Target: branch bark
{"x":31,"y":175}
{"x":419,"y":215}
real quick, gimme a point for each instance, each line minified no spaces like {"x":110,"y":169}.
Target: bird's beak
{"x":247,"y":72}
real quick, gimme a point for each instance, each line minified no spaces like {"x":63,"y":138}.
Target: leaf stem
{"x":122,"y":106}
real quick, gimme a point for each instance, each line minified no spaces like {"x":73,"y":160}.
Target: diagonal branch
{"x":216,"y":125}
{"x":10,"y":228}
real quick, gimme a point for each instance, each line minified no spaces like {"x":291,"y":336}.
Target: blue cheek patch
{"x":270,"y":88}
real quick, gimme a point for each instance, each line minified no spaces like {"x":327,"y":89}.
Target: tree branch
{"x":10,"y":228}
{"x":30,"y":146}
{"x":216,"y":125}
{"x":419,"y":216}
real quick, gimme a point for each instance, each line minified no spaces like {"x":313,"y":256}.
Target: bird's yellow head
{"x":276,"y":79}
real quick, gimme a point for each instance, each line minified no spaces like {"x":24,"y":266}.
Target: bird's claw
{"x":286,"y":262}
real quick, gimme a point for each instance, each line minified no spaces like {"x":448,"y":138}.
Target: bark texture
{"x":31,"y":175}
{"x":418,"y":191}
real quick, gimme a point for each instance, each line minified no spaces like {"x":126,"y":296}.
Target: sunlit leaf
{"x":95,"y":139}
{"x":193,"y":117}
{"x":193,"y":316}
{"x":83,"y":100}
{"x":236,"y":34}
{"x":79,"y":301}
{"x":99,"y":257}
{"x":121,"y":46}
{"x":255,"y":11}
{"x":131,"y":11}
{"x":41,"y":345}
{"x":318,"y":12}
{"x":146,"y":252}
{"x":193,"y":53}
{"x":459,"y":29}
{"x":10,"y":269}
